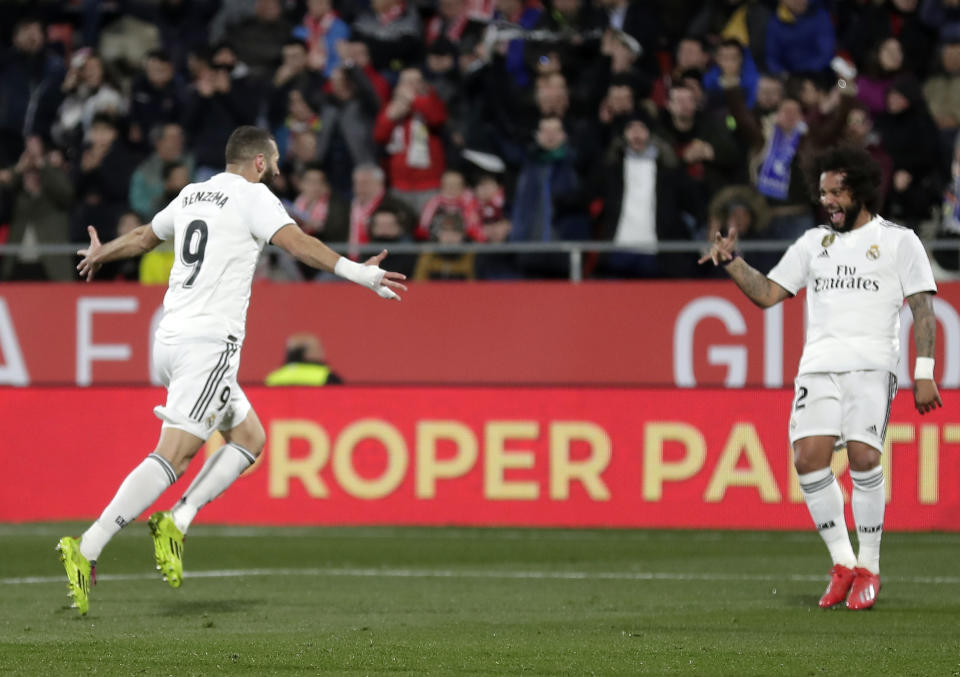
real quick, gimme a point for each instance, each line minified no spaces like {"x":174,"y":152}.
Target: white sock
{"x":825,"y":502}
{"x":220,"y":471}
{"x":138,"y":490}
{"x":868,"y":501}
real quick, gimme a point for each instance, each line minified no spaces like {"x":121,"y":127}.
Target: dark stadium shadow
{"x":207,"y":607}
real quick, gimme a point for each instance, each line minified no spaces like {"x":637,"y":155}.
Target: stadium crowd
{"x":629,"y":121}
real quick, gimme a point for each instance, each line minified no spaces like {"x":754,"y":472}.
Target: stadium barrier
{"x":652,"y":333}
{"x":575,"y":250}
{"x":587,"y":457}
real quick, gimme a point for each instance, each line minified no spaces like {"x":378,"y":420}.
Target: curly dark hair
{"x":862,"y":175}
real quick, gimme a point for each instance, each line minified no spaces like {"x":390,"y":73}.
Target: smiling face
{"x":841,"y":207}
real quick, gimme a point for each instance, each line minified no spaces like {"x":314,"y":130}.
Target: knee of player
{"x":257,"y":440}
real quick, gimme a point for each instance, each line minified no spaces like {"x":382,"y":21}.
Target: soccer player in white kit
{"x":219,"y":228}
{"x":857,"y":270}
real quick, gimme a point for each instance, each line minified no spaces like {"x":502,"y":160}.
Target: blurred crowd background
{"x":635,"y":122}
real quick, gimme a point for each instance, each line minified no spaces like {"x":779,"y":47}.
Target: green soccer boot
{"x":167,"y":547}
{"x":80,"y":574}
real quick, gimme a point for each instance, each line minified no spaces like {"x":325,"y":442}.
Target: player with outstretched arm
{"x":219,"y":228}
{"x":857,"y":270}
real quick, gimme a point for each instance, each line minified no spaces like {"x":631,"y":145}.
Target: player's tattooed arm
{"x":924,"y":323}
{"x":757,"y":286}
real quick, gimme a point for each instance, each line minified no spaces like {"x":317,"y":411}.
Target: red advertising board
{"x":618,"y":333}
{"x":613,"y":457}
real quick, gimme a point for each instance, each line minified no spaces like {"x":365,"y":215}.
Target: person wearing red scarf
{"x":409,"y":130}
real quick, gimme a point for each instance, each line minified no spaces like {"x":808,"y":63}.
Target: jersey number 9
{"x":194,"y":245}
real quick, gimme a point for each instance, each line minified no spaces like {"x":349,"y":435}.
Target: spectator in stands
{"x":128,"y":270}
{"x":577,"y":27}
{"x":30,"y":78}
{"x":347,"y":114}
{"x":859,"y":131}
{"x":942,"y":93}
{"x":770,"y":93}
{"x":549,"y":202}
{"x":454,"y":198}
{"x":690,"y":59}
{"x":213,"y":108}
{"x":732,"y":62}
{"x":369,"y":194}
{"x":88,"y":91}
{"x":42,"y":194}
{"x":742,"y":20}
{"x":299,"y":70}
{"x":258,"y":39}
{"x":943,"y":16}
{"x":863,"y":25}
{"x":146,"y":184}
{"x":304,"y":365}
{"x":641,"y":21}
{"x":184,"y":25}
{"x":949,"y":217}
{"x":323,"y":30}
{"x":453,"y":23}
{"x":301,"y":118}
{"x":705,"y":146}
{"x":448,"y":230}
{"x":800,"y":38}
{"x":392,"y":31}
{"x":156,"y":98}
{"x":883,"y":65}
{"x":639,"y":184}
{"x":522,"y":14}
{"x":101,"y":180}
{"x":743,"y":209}
{"x":496,"y":230}
{"x":389,"y":225}
{"x":409,"y":131}
{"x":910,"y":136}
{"x":318,"y":210}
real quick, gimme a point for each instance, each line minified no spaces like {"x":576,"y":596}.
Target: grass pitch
{"x":443,"y":601}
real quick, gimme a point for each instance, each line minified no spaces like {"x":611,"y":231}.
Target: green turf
{"x":417,"y":601}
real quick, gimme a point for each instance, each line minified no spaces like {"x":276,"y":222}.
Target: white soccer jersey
{"x":219,"y":228}
{"x":856,"y":283}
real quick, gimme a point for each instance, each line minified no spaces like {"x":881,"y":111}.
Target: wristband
{"x":368,"y":276}
{"x":923,"y":369}
{"x":724,"y":264}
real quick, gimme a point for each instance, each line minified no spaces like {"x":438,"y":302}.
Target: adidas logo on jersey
{"x":873,"y":430}
{"x":824,"y":254}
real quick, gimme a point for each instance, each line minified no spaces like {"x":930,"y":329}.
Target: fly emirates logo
{"x":845,"y":278}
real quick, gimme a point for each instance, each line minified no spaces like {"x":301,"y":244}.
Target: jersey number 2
{"x":194,"y":245}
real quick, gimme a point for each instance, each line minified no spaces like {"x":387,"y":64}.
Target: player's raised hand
{"x":926,"y":397}
{"x":391,"y":282}
{"x":87,"y":267}
{"x":722,"y":249}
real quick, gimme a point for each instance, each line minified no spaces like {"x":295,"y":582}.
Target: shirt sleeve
{"x":913,"y":266}
{"x":793,"y":268}
{"x":267,"y":214}
{"x":162,"y":223}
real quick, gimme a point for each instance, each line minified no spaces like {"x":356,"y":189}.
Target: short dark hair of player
{"x":861,"y":175}
{"x":246,"y":143}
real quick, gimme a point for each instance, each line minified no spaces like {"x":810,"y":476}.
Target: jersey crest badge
{"x":873,"y":253}
{"x":828,"y":239}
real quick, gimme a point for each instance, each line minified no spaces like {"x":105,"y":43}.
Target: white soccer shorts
{"x":850,"y":405}
{"x":202,"y":390}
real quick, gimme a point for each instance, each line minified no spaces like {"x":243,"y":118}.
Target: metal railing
{"x":575,"y":250}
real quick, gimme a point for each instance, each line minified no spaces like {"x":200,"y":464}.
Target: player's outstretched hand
{"x":87,"y":267}
{"x":391,"y":282}
{"x":722,"y":249}
{"x":926,"y":397}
